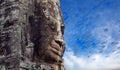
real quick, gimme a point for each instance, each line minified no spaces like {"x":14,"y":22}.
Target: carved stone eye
{"x":62,"y":28}
{"x":8,"y":23}
{"x":52,"y":27}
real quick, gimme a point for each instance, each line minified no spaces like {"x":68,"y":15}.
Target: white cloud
{"x":95,"y":62}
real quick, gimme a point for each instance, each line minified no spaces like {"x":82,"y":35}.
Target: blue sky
{"x":92,"y":34}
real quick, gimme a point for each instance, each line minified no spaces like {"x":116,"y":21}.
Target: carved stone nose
{"x":60,"y":41}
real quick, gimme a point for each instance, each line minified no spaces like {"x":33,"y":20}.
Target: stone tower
{"x":31,"y":35}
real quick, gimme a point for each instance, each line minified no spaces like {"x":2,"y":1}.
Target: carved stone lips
{"x":56,"y":47}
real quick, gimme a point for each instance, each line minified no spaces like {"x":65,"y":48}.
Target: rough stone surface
{"x":31,"y":35}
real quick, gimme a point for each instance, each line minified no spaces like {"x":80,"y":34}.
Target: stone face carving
{"x":31,"y":35}
{"x":49,"y":29}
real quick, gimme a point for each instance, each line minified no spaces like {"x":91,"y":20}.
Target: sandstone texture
{"x":31,"y":35}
